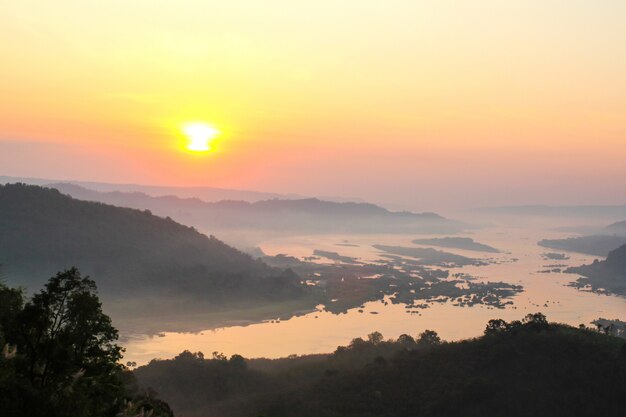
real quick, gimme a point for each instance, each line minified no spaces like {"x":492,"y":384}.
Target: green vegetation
{"x":60,"y":356}
{"x":342,"y":286}
{"x":522,"y":368}
{"x":142,"y":263}
{"x":608,"y":276}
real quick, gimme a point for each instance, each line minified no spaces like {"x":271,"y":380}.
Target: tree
{"x":189,"y":356}
{"x":218,"y":356}
{"x":61,"y":356}
{"x":63,"y":330}
{"x":66,"y":349}
{"x":496,"y":326}
{"x":406,"y":341}
{"x":375,"y":338}
{"x":428,"y":338}
{"x":146,"y":406}
{"x":357,"y":343}
{"x":11,"y":303}
{"x":238,"y":362}
{"x":537,"y":321}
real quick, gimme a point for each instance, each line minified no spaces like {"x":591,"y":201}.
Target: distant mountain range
{"x":593,"y":211}
{"x":203,"y":193}
{"x":618,"y":228}
{"x":132,"y":254}
{"x":213,"y":209}
{"x":277,"y":215}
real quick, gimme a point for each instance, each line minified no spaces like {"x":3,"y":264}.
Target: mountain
{"x":616,"y":261}
{"x":593,"y":211}
{"x":205,"y":193}
{"x":599,"y":245}
{"x":604,"y":276}
{"x":276,"y":215}
{"x":134,"y":256}
{"x":618,"y":228}
{"x":529,"y":368}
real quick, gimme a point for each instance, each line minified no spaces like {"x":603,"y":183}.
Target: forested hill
{"x":128,"y":252}
{"x":522,"y":368}
{"x":604,"y":276}
{"x":617,"y":259}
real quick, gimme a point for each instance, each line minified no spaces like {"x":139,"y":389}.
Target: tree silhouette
{"x":375,"y":338}
{"x":496,"y":326}
{"x":406,"y":340}
{"x":60,"y":356}
{"x":428,"y":338}
{"x":63,"y":330}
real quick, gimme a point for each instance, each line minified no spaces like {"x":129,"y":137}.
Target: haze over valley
{"x":312,"y":208}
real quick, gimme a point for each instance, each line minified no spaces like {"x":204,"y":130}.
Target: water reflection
{"x":322,"y":331}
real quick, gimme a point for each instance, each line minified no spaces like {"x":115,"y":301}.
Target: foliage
{"x":130,"y":252}
{"x":608,"y":276}
{"x":526,"y":367}
{"x":60,"y":356}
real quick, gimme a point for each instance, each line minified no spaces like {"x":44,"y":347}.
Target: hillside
{"x":599,"y":245}
{"x":604,"y":276}
{"x":618,"y":228}
{"x":133,"y":255}
{"x":309,"y":215}
{"x":529,"y":368}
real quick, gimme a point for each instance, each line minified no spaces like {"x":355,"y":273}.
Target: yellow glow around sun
{"x":199,"y":136}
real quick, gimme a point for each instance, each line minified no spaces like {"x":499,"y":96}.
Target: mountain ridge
{"x":206,"y":193}
{"x":292,"y":215}
{"x":130,"y":253}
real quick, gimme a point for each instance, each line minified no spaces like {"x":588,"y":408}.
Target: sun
{"x":199,"y":136}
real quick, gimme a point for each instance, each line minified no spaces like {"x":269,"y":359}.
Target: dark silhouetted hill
{"x":605,"y":276}
{"x":132,"y":254}
{"x":530,"y":368}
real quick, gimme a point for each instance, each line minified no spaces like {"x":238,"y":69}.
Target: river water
{"x":320,"y":332}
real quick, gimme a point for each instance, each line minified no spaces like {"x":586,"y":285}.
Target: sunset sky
{"x":419,"y":104}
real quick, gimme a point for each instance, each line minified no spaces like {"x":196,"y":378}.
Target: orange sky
{"x":421,"y":103}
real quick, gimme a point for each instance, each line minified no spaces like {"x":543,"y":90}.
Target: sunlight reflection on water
{"x":321,"y":332}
